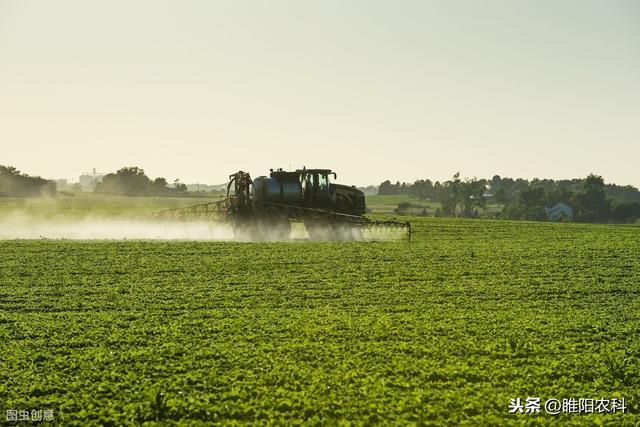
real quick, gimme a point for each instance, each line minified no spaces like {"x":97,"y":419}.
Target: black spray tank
{"x":281,"y":187}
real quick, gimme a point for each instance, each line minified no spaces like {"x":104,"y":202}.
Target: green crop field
{"x":386,"y":204}
{"x":443,"y":330}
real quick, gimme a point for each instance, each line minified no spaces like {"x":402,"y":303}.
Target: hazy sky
{"x":372,"y":89}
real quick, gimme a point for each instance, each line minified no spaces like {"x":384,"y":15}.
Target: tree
{"x":128,"y":181}
{"x":528,"y":203}
{"x":496,"y":183}
{"x":178,"y":187}
{"x":403,"y":208}
{"x":447,"y":199}
{"x":560,"y":195}
{"x":532,"y":197}
{"x":468,"y":194}
{"x":502,"y":197}
{"x":421,"y":189}
{"x":626,"y":193}
{"x":385,"y":188}
{"x":160,"y":183}
{"x":626,"y":212}
{"x":471,"y":195}
{"x":593,"y":205}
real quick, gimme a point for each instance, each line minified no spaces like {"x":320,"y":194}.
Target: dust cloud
{"x":18,"y":226}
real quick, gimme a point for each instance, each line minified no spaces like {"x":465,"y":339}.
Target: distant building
{"x":559,"y":212}
{"x":89,"y":180}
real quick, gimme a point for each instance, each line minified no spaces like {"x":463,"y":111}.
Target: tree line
{"x":132,"y":181}
{"x":128,"y":181}
{"x":13,"y":183}
{"x":591,"y":199}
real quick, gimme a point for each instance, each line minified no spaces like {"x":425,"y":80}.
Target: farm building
{"x":88,"y":181}
{"x":559,"y":212}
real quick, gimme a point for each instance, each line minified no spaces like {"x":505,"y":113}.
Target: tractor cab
{"x":316,"y":187}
